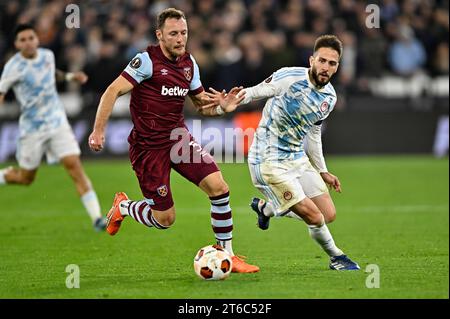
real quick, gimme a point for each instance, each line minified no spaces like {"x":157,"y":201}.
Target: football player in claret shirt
{"x":159,"y":79}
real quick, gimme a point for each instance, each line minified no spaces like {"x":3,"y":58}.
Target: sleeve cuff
{"x":129,"y":78}
{"x":197,"y":91}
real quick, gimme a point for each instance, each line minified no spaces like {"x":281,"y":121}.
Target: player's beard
{"x":176,"y":53}
{"x":315,"y":76}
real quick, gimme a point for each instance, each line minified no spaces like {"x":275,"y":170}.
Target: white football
{"x":212,"y":262}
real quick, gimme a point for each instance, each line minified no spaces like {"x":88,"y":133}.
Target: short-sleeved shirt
{"x":289,"y":115}
{"x":34,"y":85}
{"x":158,"y":96}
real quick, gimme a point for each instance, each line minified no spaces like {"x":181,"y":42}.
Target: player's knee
{"x":214,"y":185}
{"x":72,"y":165}
{"x":219,"y":189}
{"x":311,"y":215}
{"x":73,"y":168}
{"x":330,"y":216}
{"x":167,"y":218}
{"x":316,"y":219}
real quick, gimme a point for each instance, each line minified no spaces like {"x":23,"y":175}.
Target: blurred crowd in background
{"x":240,"y":42}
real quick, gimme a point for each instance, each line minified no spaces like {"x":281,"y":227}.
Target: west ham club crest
{"x":162,"y":191}
{"x":188,"y":73}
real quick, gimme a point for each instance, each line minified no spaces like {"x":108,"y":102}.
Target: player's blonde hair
{"x":167,"y":14}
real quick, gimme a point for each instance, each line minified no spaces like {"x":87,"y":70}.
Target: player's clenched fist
{"x":96,"y":141}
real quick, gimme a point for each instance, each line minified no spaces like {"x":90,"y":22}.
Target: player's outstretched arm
{"x":119,"y":87}
{"x":2,"y":98}
{"x":218,"y":103}
{"x":221,"y":102}
{"x":200,"y":100}
{"x":266,"y":89}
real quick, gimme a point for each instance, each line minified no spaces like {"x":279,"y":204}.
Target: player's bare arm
{"x":79,"y":76}
{"x":206,"y":105}
{"x":239,"y":96}
{"x":117,"y":88}
{"x":200,"y":100}
{"x":218,"y":103}
{"x":2,"y":98}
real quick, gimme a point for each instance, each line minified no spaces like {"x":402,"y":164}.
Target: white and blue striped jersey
{"x":34,"y":85}
{"x":294,"y":106}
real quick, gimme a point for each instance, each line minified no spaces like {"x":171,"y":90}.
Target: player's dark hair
{"x":22,"y":27}
{"x":167,"y":14}
{"x":328,"y":41}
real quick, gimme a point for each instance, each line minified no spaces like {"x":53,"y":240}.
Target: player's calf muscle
{"x":214,"y":185}
{"x":18,"y":176}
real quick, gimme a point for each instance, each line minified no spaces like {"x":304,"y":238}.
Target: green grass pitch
{"x":393,"y":212}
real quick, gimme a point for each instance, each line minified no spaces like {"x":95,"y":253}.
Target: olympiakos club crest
{"x":324,"y":107}
{"x":269,"y":79}
{"x":188,"y":73}
{"x":162,"y":191}
{"x":287,"y":195}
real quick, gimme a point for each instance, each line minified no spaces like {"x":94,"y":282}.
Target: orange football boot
{"x":114,"y":217}
{"x":239,"y":265}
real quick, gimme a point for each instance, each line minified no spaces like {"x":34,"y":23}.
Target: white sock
{"x":227,"y":245}
{"x":3,"y":172}
{"x":91,"y":204}
{"x":269,"y":210}
{"x":123,"y":207}
{"x":2,"y":176}
{"x":323,"y":237}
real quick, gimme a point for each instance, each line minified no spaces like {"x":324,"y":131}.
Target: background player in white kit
{"x":43,"y":124}
{"x":294,"y":181}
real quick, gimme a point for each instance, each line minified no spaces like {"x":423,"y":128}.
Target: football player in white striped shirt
{"x":43,"y":124}
{"x":293,"y":178}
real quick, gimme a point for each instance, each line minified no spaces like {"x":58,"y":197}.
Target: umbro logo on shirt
{"x":175,"y":91}
{"x":164,"y":72}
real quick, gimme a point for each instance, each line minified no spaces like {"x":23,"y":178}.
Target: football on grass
{"x":212,"y":263}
